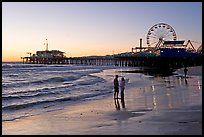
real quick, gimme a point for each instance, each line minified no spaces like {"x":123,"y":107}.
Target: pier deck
{"x":123,"y":61}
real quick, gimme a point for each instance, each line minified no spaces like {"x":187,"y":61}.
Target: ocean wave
{"x":84,"y":82}
{"x":32,"y":94}
{"x":14,"y":107}
{"x":19,"y":65}
{"x":47,"y":87}
{"x":51,"y":80}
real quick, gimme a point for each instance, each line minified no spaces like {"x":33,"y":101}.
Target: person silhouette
{"x":185,"y":71}
{"x":116,"y":87}
{"x":122,"y":87}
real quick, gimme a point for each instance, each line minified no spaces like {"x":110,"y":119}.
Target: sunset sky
{"x":92,"y":28}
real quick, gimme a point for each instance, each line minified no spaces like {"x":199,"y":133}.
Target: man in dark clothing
{"x":185,"y":71}
{"x":116,"y":86}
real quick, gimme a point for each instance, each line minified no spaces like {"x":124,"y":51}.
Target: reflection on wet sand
{"x":171,"y":92}
{"x":117,"y":104}
{"x":123,"y":102}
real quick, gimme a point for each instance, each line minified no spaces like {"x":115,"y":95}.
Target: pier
{"x":164,"y":57}
{"x":122,"y":61}
{"x":98,"y":60}
{"x":158,"y":53}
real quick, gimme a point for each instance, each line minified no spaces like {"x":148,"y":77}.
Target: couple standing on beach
{"x":116,"y":87}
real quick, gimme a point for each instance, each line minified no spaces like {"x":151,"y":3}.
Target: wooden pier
{"x":71,"y":60}
{"x":122,"y":61}
{"x":168,"y":58}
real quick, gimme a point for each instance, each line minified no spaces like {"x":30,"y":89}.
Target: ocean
{"x":31,"y":89}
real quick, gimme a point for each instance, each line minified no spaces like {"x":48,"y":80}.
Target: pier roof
{"x":173,"y":42}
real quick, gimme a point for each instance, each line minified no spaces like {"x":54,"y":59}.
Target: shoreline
{"x":164,"y":72}
{"x":147,"y":110}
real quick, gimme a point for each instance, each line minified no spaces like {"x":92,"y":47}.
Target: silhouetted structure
{"x":169,"y":55}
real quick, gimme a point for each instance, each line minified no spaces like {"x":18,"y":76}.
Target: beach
{"x":169,"y":105}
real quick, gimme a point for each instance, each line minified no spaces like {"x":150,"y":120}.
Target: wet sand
{"x":169,"y":106}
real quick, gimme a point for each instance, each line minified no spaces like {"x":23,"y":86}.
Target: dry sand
{"x":170,"y":106}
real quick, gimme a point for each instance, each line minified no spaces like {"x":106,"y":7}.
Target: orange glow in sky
{"x":86,"y":29}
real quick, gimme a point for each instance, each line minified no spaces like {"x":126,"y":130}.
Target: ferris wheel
{"x":158,"y":33}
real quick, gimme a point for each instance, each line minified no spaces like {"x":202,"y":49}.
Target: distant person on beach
{"x":116,"y":86}
{"x":122,"y":87}
{"x":185,"y":71}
